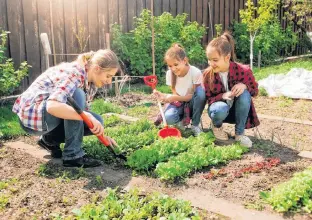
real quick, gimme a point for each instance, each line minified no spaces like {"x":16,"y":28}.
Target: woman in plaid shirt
{"x":229,"y":87}
{"x":42,"y":108}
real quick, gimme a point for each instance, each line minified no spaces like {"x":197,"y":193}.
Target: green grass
{"x":138,"y":111}
{"x":9,"y":125}
{"x":282,"y":68}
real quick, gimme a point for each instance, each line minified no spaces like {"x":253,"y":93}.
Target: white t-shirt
{"x":185,"y":83}
{"x":224,"y":79}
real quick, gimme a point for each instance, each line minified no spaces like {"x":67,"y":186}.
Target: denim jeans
{"x":219,"y":111}
{"x":70,"y":132}
{"x":174,"y":114}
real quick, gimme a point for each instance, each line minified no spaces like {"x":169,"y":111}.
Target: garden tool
{"x":151,"y":81}
{"x":86,"y":120}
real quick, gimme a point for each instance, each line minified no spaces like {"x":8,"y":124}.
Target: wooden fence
{"x":66,"y":21}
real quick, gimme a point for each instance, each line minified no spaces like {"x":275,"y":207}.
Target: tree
{"x":300,"y":12}
{"x":255,"y":17}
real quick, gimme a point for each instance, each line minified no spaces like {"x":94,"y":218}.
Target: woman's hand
{"x":238,"y":89}
{"x":227,"y":96}
{"x":169,"y":98}
{"x":158,"y":95}
{"x":98,"y":128}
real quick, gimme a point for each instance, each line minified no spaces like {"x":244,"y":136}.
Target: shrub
{"x":9,"y":77}
{"x":272,"y":40}
{"x":134,"y":48}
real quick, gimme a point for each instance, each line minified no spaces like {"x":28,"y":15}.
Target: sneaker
{"x":55,"y":151}
{"x":196,"y":130}
{"x":244,"y":140}
{"x":84,"y":162}
{"x":180,"y":126}
{"x":220,"y":134}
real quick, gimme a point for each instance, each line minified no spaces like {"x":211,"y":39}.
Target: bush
{"x":272,"y":40}
{"x":9,"y":77}
{"x":134,"y":48}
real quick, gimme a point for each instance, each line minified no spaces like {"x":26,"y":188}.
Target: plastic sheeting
{"x":297,"y":83}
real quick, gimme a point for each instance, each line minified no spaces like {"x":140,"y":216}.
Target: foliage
{"x":293,"y":194}
{"x":255,"y":17}
{"x":100,"y":107}
{"x":9,"y":125}
{"x":163,"y":149}
{"x":112,"y":120}
{"x":132,"y":205}
{"x":218,"y":28}
{"x":81,"y":36}
{"x":196,"y":158}
{"x":134,"y":48}
{"x":272,"y":40}
{"x":299,"y":11}
{"x":9,"y":77}
{"x":139,"y":110}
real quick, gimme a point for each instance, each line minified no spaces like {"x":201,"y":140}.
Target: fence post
{"x":46,"y":48}
{"x":259,"y":59}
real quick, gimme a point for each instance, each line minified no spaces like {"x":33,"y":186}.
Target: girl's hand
{"x":238,"y":89}
{"x":169,"y":98}
{"x":158,"y":95}
{"x":98,"y":128}
{"x":111,"y":141}
{"x":227,"y":96}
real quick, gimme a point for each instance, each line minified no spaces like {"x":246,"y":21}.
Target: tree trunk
{"x":251,"y":50}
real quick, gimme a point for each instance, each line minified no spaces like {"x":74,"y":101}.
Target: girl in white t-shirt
{"x":185,"y":82}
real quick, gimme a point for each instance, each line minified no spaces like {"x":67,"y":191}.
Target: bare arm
{"x":62,"y":110}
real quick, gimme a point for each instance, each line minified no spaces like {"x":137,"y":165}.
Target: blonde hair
{"x":224,"y":45}
{"x":177,"y":52}
{"x":106,"y":59}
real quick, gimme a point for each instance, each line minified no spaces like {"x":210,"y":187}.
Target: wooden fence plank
{"x":123,"y":12}
{"x":232,"y":10}
{"x":226,"y":15}
{"x":113,"y":11}
{"x":205,"y":21}
{"x":173,"y":7}
{"x":148,"y":4}
{"x":166,"y":5}
{"x":157,"y":7}
{"x":82,"y":25}
{"x":193,"y":10}
{"x":180,"y":6}
{"x":71,"y":46}
{"x":199,"y":12}
{"x":236,"y":11}
{"x":222,"y":12}
{"x":93,"y":25}
{"x":4,"y":23}
{"x":17,"y":36}
{"x":31,"y":38}
{"x":58,"y":29}
{"x":187,"y":8}
{"x":44,"y":27}
{"x":103,"y":21}
{"x":131,"y":13}
{"x":140,"y":4}
{"x":216,"y":14}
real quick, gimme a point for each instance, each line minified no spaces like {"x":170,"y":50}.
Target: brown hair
{"x":106,"y":59}
{"x":224,"y":45}
{"x":177,"y":52}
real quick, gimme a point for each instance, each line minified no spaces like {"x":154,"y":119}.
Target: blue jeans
{"x":174,"y":114}
{"x":70,"y":132}
{"x":220,"y":112}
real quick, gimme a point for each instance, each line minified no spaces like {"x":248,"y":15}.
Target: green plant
{"x":255,"y":17}
{"x":99,"y":180}
{"x":134,"y":48}
{"x":138,"y":111}
{"x":4,"y":200}
{"x":263,"y":92}
{"x":81,"y":36}
{"x":100,"y":107}
{"x":293,"y":194}
{"x":9,"y":77}
{"x":132,"y":205}
{"x":218,"y":28}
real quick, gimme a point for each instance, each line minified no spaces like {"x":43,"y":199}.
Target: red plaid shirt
{"x":238,"y":73}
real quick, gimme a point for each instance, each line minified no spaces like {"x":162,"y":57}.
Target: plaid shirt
{"x":56,"y":83}
{"x":238,"y":73}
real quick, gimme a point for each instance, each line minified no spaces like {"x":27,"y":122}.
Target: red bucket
{"x":169,"y":132}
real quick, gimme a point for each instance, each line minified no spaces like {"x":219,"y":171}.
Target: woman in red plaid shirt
{"x":42,"y":108}
{"x":229,"y":87}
